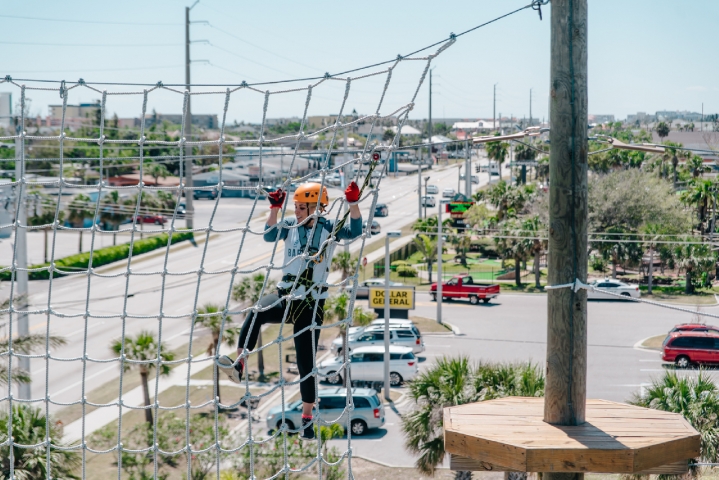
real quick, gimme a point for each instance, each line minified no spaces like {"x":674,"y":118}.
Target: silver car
{"x":368,"y":410}
{"x":615,"y":287}
{"x":367,"y":364}
{"x":374,"y":336}
{"x":363,"y":287}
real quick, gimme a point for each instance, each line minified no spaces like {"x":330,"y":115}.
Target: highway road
{"x":513,"y":328}
{"x":103,"y":296}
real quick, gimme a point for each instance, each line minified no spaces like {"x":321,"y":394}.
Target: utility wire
{"x":69,"y":20}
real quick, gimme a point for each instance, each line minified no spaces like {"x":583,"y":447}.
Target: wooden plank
{"x":464,"y":464}
{"x":573,"y":460}
{"x":667,"y":452}
{"x":485,"y":450}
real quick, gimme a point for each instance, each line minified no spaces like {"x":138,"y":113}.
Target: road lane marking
{"x":76,"y":384}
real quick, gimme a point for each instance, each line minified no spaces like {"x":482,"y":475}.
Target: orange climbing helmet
{"x":310,"y":192}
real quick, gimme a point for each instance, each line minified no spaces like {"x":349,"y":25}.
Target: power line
{"x":534,"y":4}
{"x":130,"y":45}
{"x":69,"y":20}
{"x":97,"y":69}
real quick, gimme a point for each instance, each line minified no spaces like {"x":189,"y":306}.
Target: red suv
{"x":695,"y":327}
{"x":687,"y":347}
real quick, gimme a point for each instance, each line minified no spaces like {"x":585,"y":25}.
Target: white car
{"x":393,"y":323}
{"x":448,"y":192}
{"x":367,"y":364}
{"x":428,"y":201}
{"x":373,"y":335}
{"x":432,"y":189}
{"x":614,"y":287}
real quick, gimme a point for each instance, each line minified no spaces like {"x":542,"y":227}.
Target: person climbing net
{"x":302,"y":291}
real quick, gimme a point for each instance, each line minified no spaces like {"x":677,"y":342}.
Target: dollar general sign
{"x":400,"y":298}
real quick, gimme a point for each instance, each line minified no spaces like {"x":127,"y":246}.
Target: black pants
{"x":300,"y":314}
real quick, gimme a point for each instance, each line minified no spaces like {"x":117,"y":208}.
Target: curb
{"x":387,"y":465}
{"x":639,"y":346}
{"x":455,"y":329}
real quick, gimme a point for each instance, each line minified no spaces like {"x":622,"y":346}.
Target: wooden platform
{"x":509,"y":435}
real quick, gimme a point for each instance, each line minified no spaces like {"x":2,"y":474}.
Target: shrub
{"x":100,"y":257}
{"x":406,"y":271}
{"x":397,"y":263}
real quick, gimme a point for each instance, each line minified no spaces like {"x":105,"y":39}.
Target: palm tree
{"x":142,"y":353}
{"x":343,"y":262}
{"x":699,"y":193}
{"x":662,"y":130}
{"x":654,"y":232}
{"x":249,"y":289}
{"x":156,"y":170}
{"x":453,"y":381}
{"x":78,"y":210}
{"x":497,"y":151}
{"x":425,"y":225}
{"x":696,"y":399}
{"x":695,"y":259}
{"x":534,"y":228}
{"x":210,"y":317}
{"x":427,"y":247}
{"x":24,"y":344}
{"x":695,"y":165}
{"x":30,"y":427}
{"x":512,"y":243}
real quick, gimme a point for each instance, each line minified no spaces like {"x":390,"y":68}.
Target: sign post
{"x":386,"y":310}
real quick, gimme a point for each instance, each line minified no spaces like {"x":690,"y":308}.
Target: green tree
{"x":80,"y":208}
{"x":343,"y":262}
{"x":662,"y":130}
{"x":534,"y":228}
{"x":28,"y":426}
{"x":427,"y":247}
{"x":497,"y":151}
{"x":699,"y":193}
{"x":248,"y":290}
{"x":142,"y":352}
{"x":24,"y":344}
{"x":697,"y":260}
{"x":210,"y":316}
{"x":425,"y":225}
{"x":453,"y":381}
{"x":156,"y":170}
{"x":695,"y":398}
{"x":514,"y":242}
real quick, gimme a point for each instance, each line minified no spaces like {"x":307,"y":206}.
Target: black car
{"x":209,"y":194}
{"x":381,"y":210}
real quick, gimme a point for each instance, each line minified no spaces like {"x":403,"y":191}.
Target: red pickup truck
{"x":463,"y":286}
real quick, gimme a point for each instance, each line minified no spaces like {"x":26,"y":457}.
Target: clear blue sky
{"x":643,"y":55}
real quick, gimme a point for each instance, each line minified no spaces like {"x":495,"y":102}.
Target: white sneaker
{"x":226,"y":364}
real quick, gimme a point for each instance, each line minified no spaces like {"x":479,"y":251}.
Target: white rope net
{"x":189,"y":425}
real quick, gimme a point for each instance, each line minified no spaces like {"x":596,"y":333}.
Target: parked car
{"x":209,"y":194}
{"x":393,"y":322}
{"x":374,"y":335}
{"x":363,"y":287}
{"x":375,"y":229}
{"x":428,"y":201}
{"x":367,"y":364}
{"x":432,"y":189}
{"x":695,"y":327}
{"x":368,"y":412}
{"x":463,"y":286}
{"x":156,"y":219}
{"x":685,"y":348}
{"x":448,"y":192}
{"x":612,"y":286}
{"x":381,"y":210}
{"x":473,"y":178}
{"x":181,"y":209}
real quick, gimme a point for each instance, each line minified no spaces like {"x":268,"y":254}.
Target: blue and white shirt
{"x":295,"y":242}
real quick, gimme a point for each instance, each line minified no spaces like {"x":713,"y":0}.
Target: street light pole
{"x":467,"y":170}
{"x":21,"y":276}
{"x":419,"y":189}
{"x":189,"y":210}
{"x":386,"y":311}
{"x":439,"y":262}
{"x":426,"y":179}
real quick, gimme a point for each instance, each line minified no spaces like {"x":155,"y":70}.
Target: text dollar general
{"x":399,"y":298}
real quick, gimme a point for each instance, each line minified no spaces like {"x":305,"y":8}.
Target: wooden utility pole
{"x":566,"y":381}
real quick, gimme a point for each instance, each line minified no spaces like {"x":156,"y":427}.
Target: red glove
{"x":277,"y":198}
{"x":352,"y":193}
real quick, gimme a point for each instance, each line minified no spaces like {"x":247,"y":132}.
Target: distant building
{"x":5,"y":109}
{"x":75,"y":115}
{"x":198,"y":120}
{"x":600,"y":118}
